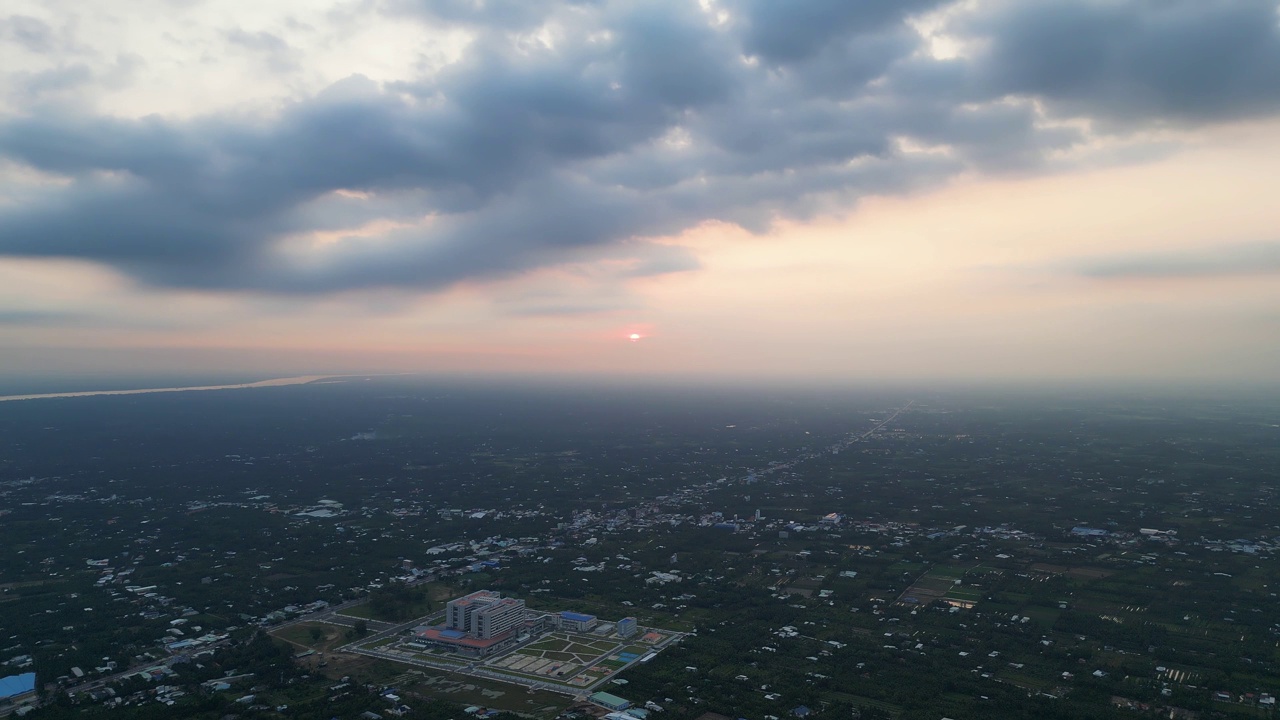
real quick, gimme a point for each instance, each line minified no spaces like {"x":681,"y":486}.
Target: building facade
{"x":499,"y":617}
{"x":484,"y":614}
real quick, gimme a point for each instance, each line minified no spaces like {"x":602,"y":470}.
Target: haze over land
{"x":821,"y":188}
{"x":639,"y":359}
{"x":905,"y":555}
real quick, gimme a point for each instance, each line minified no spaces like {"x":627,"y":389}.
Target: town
{"x":905,"y":559}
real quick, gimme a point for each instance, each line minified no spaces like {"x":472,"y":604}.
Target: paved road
{"x":888,"y":420}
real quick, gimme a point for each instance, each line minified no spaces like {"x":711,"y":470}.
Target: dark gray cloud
{"x":785,"y":32}
{"x":1261,"y":258}
{"x":640,"y":120}
{"x":1136,"y":61}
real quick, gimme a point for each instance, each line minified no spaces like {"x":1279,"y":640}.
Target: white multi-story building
{"x":499,"y":617}
{"x":484,"y":614}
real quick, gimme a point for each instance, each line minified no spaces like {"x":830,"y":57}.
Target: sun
{"x":634,"y":337}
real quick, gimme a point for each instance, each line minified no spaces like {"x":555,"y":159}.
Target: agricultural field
{"x":941,"y":583}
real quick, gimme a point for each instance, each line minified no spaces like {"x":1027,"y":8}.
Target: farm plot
{"x":941,"y":583}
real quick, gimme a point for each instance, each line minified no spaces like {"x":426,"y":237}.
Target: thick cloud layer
{"x":571,"y":127}
{"x":1176,"y":60}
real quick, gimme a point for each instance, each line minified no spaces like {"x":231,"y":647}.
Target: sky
{"x":818,"y":189}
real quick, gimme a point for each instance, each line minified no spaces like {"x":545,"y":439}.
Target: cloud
{"x":277,"y":52}
{"x":32,"y":34}
{"x":32,"y":86}
{"x":562,"y":303}
{"x":64,"y":81}
{"x":567,"y":128}
{"x":1250,"y":259}
{"x":82,"y":320}
{"x":501,"y":14}
{"x":787,"y":32}
{"x":1180,"y":61}
{"x":41,"y":318}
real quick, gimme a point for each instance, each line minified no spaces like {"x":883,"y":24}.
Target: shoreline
{"x":277,"y":382}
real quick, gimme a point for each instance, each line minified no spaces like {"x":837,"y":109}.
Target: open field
{"x":940,"y":583}
{"x":303,"y":636}
{"x":485,"y":693}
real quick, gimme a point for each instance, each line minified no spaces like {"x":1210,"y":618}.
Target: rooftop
{"x":608,"y":699}
{"x":15,"y":685}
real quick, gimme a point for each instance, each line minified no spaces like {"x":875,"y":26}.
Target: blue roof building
{"x":16,"y":685}
{"x":579,"y":622}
